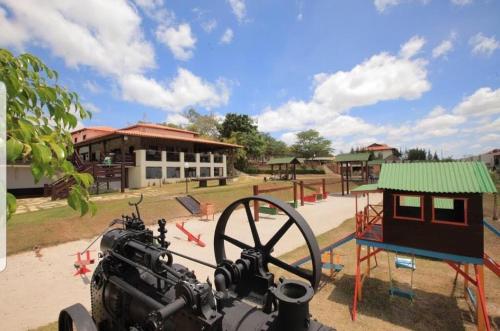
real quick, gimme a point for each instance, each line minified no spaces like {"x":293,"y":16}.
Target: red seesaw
{"x":190,"y":236}
{"x":81,"y":265}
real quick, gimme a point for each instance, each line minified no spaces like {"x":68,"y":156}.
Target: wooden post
{"x":301,"y":193}
{"x":347,"y":178}
{"x":482,"y":314}
{"x":368,"y":263}
{"x":286,"y":169}
{"x":342,"y":175}
{"x":323,"y":186}
{"x":256,"y":203}
{"x":466,"y":281}
{"x":294,"y":169}
{"x":122,"y":179}
{"x":495,"y":204}
{"x":295,"y":194}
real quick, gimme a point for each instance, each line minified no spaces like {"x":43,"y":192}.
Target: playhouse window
{"x":408,"y":207}
{"x":449,"y":211}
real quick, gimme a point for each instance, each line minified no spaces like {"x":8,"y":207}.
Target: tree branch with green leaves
{"x":40,"y":115}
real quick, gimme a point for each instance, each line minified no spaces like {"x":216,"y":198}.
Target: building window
{"x":190,"y":172}
{"x":205,"y":172}
{"x":76,"y":139}
{"x":205,"y":158}
{"x":173,"y":172}
{"x":84,"y":136}
{"x":189,"y":157}
{"x":153,"y":172}
{"x":153,"y":155}
{"x":409,"y":207}
{"x":218,"y":172}
{"x":218,"y":158}
{"x":173,"y":157}
{"x":449,"y":210}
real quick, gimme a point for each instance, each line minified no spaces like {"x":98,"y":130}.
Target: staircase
{"x":101,"y":173}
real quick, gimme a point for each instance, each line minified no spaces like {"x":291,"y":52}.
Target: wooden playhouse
{"x":431,"y":210}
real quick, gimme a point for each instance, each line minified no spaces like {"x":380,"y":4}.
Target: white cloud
{"x":91,"y":107}
{"x":382,"y":5}
{"x":438,"y":123}
{"x":156,"y":10}
{"x":300,"y":16}
{"x":482,"y":45}
{"x":412,"y":47}
{"x":183,"y":91}
{"x":239,"y":9}
{"x":209,"y":26}
{"x":494,"y":137}
{"x":227,"y":36}
{"x":289,"y":138}
{"x":13,"y":33}
{"x":82,"y":33}
{"x":177,"y":119}
{"x":442,"y":49}
{"x":379,"y":78}
{"x":92,"y":86}
{"x":461,"y":2}
{"x":483,"y":102}
{"x":180,"y":41}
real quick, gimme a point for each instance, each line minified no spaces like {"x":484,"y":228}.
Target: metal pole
{"x":256,"y":203}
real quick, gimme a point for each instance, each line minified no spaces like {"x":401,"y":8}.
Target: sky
{"x":409,"y":73}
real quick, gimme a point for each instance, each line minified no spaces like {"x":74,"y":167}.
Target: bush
{"x":254,"y":171}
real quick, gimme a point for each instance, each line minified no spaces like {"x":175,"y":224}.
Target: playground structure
{"x":318,"y":186}
{"x":429,"y":210}
{"x":346,"y":164}
{"x":81,"y":265}
{"x":290,"y":164}
{"x":190,"y":236}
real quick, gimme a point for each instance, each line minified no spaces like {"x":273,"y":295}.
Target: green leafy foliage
{"x":310,"y":144}
{"x":236,"y":123}
{"x":205,"y":125}
{"x":40,"y":115}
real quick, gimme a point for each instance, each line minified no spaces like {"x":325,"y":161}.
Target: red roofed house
{"x":383,"y":150}
{"x":153,"y":153}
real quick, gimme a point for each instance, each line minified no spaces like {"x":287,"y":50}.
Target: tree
{"x":416,"y":154}
{"x":429,"y":155}
{"x":40,"y":115}
{"x":236,"y":123}
{"x":205,"y":125}
{"x":310,"y":143}
{"x":435,"y":157}
{"x":274,"y":147}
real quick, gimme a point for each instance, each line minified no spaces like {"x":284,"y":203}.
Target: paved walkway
{"x":36,"y":204}
{"x":34,"y":289}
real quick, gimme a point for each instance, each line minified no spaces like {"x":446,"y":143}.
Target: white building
{"x":491,"y":159}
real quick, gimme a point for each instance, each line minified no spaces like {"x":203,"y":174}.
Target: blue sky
{"x":405,"y":72}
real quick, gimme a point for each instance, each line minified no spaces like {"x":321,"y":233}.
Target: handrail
{"x":491,"y":228}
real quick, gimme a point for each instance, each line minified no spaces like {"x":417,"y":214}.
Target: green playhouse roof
{"x":352,"y":157}
{"x":437,"y":177}
{"x":283,"y":160}
{"x":366,"y":188}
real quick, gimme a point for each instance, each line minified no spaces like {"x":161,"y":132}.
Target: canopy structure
{"x":289,"y":163}
{"x":346,"y":163}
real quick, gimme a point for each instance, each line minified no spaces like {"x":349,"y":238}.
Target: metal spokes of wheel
{"x":294,"y":217}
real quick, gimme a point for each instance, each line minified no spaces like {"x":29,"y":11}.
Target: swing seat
{"x":333,"y":266}
{"x":407,"y":294}
{"x":405,"y":262}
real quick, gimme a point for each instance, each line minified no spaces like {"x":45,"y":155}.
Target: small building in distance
{"x":381,"y":151}
{"x":491,"y":159}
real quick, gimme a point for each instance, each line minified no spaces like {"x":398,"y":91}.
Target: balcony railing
{"x":153,"y":155}
{"x":173,"y":156}
{"x":218,"y":158}
{"x":189,"y":157}
{"x":205,"y":158}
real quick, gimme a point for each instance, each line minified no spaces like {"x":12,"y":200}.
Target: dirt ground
{"x":439,"y":303}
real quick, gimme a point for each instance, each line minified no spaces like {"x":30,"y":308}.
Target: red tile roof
{"x":129,"y":131}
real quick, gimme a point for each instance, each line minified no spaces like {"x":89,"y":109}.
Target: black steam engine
{"x":138,"y":287}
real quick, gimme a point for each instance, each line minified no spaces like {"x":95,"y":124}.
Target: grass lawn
{"x":58,"y":225}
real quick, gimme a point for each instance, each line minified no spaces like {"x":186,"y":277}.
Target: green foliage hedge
{"x":254,"y":171}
